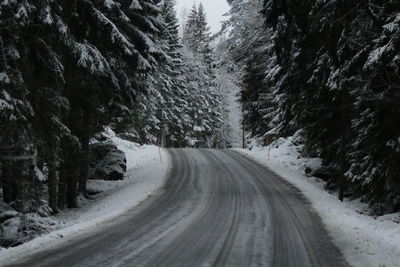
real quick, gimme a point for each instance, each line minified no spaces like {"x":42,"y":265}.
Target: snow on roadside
{"x":364,"y":240}
{"x":146,"y":173}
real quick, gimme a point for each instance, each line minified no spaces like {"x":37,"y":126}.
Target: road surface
{"x":218,"y":208}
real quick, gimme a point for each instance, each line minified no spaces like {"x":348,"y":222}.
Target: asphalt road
{"x":218,"y":208}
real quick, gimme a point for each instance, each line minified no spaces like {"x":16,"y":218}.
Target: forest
{"x":327,"y":70}
{"x":71,"y":68}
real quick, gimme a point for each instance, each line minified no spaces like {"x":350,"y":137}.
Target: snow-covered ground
{"x":147,"y":170}
{"x":364,"y":240}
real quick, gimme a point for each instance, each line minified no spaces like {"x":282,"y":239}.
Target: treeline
{"x":70,"y":68}
{"x":208,"y":130}
{"x":331,"y":70}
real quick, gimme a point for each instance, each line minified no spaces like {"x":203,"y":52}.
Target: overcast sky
{"x":214,"y":10}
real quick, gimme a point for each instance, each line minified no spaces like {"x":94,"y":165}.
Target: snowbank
{"x":147,"y":168}
{"x":364,"y":240}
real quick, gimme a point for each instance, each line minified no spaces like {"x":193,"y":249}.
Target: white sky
{"x":215,"y":9}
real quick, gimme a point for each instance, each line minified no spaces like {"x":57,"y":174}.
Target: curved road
{"x":218,"y":208}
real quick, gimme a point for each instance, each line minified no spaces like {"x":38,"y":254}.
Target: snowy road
{"x":217,"y":209}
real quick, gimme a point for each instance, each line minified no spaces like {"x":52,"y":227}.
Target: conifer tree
{"x":21,"y":174}
{"x":175,"y":107}
{"x":68,"y":69}
{"x":199,"y":60}
{"x":190,"y":34}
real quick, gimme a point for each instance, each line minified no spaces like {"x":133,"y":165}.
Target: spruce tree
{"x":22,"y":24}
{"x":175,"y":107}
{"x":68,"y":69}
{"x":199,"y":60}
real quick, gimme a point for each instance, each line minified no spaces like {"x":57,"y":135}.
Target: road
{"x":218,"y":208}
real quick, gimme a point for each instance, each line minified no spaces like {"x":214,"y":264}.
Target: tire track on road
{"x":299,"y":236}
{"x":218,"y":208}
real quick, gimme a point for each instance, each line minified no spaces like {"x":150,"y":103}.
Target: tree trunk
{"x":3,"y":62}
{"x":25,"y":185}
{"x":71,"y":173}
{"x":85,"y":153}
{"x":52,"y":185}
{"x":7,"y":193}
{"x":342,"y":178}
{"x":62,"y":188}
{"x":380,"y":188}
{"x":6,"y":182}
{"x":72,"y":156}
{"x":72,"y":201}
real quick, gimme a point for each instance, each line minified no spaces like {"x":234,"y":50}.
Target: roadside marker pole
{"x":161,"y":140}
{"x":268,"y":140}
{"x":269,"y":150}
{"x":159,"y":152}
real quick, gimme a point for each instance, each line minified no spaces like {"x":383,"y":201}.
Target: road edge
{"x":69,"y":232}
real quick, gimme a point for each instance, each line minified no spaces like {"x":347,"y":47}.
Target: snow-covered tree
{"x":21,"y":175}
{"x":69,"y":68}
{"x":329,"y":69}
{"x":175,"y":108}
{"x":250,"y":49}
{"x":199,"y":71}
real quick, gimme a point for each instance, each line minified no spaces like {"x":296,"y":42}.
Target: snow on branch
{"x":143,"y":64}
{"x":144,"y":38}
{"x":109,"y":4}
{"x":376,"y":55}
{"x":116,"y":36}
{"x":151,"y":7}
{"x":23,"y":10}
{"x":91,"y":59}
{"x":50,"y":60}
{"x":135,"y":5}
